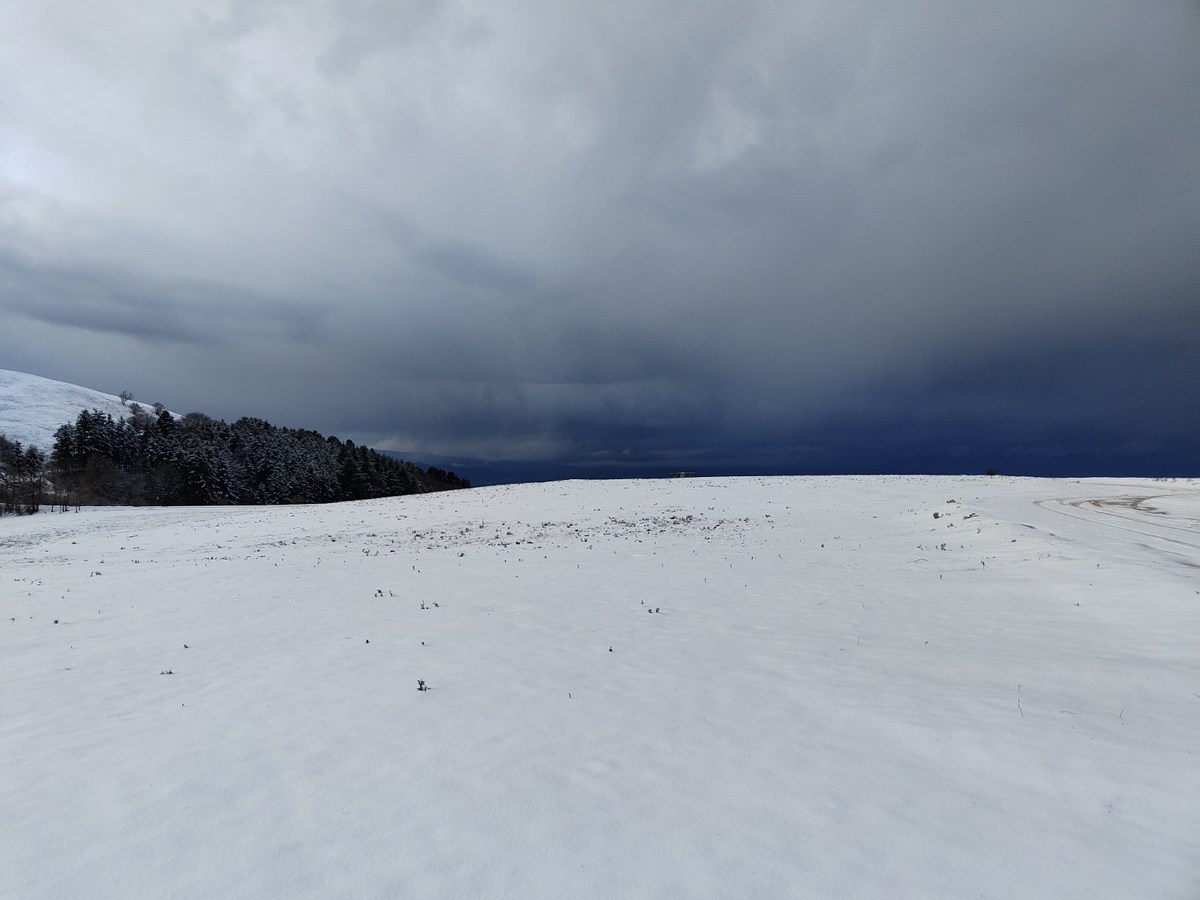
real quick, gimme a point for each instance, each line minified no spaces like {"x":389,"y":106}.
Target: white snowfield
{"x":738,"y":688}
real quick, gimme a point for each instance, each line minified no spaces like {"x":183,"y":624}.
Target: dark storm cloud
{"x":98,"y":302}
{"x":474,"y":267}
{"x":756,"y":233}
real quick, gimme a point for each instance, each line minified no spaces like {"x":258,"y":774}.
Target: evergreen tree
{"x":196,"y":459}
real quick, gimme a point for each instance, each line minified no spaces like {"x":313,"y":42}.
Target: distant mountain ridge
{"x":32,"y":408}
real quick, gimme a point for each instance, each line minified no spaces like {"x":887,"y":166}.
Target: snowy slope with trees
{"x":778,"y":687}
{"x":96,"y":450}
{"x":32,"y":408}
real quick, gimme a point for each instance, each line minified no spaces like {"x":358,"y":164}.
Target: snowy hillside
{"x":32,"y":408}
{"x":750,"y":688}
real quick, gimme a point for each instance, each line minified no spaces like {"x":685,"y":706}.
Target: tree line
{"x":22,"y":477}
{"x":159,"y":459}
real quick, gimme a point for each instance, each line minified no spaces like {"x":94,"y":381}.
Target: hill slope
{"x":32,"y":408}
{"x":760,"y":688}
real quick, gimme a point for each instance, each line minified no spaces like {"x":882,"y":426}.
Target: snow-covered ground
{"x":32,"y":408}
{"x":775,"y":687}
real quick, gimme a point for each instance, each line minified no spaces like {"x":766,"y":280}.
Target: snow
{"x":32,"y":408}
{"x":825,"y":704}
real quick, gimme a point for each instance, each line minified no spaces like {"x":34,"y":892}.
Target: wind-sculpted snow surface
{"x":779,"y":687}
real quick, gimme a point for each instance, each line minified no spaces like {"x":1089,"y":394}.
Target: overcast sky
{"x":701,"y":235}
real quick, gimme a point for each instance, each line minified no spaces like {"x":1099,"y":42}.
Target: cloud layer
{"x":654,"y":232}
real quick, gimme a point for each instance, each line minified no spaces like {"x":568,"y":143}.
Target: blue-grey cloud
{"x":623,"y":232}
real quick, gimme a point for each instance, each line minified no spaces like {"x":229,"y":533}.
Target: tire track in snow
{"x":1104,"y":511}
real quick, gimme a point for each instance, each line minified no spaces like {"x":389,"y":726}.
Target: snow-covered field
{"x":775,"y":687}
